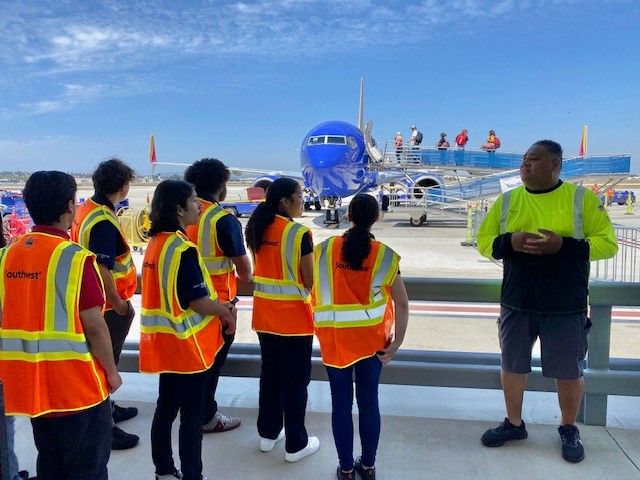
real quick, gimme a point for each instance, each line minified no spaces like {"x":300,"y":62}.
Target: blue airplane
{"x":339,"y":160}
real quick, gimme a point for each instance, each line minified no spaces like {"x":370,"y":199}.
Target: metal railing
{"x":604,"y":376}
{"x":624,"y":267}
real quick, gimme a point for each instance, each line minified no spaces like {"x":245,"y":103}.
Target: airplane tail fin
{"x":361,"y":106}
{"x":583,"y":142}
{"x":152,"y":151}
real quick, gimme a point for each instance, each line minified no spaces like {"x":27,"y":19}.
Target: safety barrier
{"x":624,"y":267}
{"x":604,"y":376}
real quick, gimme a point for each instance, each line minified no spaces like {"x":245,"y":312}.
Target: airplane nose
{"x":321,"y":157}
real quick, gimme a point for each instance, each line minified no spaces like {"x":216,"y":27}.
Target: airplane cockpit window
{"x":336,"y":140}
{"x":315,"y":140}
{"x":351,"y":142}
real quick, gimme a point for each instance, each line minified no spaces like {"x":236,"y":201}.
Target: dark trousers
{"x":285,"y":375}
{"x":210,"y":404}
{"x":74,"y":447}
{"x":118,"y":326}
{"x":184,"y":393}
{"x":367,"y":373}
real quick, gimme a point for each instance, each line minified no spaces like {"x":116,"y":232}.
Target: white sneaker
{"x":313,"y":444}
{"x":267,"y":444}
{"x":169,"y":476}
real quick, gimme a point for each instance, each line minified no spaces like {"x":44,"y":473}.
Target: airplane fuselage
{"x":334,"y":161}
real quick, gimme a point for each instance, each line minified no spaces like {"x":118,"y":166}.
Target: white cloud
{"x":77,"y":45}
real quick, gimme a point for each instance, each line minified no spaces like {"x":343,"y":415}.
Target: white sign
{"x":510,"y":183}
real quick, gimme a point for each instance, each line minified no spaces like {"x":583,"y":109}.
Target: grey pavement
{"x":427,"y":433}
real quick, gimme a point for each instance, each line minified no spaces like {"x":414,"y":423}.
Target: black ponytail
{"x":363,"y":212}
{"x":265,"y":213}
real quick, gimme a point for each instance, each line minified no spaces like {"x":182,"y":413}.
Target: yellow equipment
{"x":135,"y":226}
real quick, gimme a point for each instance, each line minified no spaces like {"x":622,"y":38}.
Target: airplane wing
{"x":233,"y":170}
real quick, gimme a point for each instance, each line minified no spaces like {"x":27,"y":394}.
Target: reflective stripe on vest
{"x":163,"y":320}
{"x":43,"y":348}
{"x":58,"y":340}
{"x":578,"y":216}
{"x":326,"y":314}
{"x":124,"y":263}
{"x":287,"y":288}
{"x":216,"y":265}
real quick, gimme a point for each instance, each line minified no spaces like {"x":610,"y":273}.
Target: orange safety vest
{"x":46,"y":363}
{"x":353,"y":310}
{"x":281,"y":304}
{"x":219,"y":267}
{"x":172,"y":339}
{"x":88,"y":215}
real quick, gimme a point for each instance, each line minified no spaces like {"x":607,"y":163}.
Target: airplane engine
{"x":421,"y":185}
{"x":264,"y":181}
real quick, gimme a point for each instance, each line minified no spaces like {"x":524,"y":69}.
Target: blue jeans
{"x":367,"y":376}
{"x":13,"y":460}
{"x":75,"y":446}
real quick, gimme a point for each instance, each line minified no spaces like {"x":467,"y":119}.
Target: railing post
{"x":595,"y":405}
{"x":4,"y":454}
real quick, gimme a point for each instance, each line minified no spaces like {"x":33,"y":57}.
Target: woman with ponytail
{"x":181,"y":328}
{"x":283,"y":258}
{"x":359,"y":299}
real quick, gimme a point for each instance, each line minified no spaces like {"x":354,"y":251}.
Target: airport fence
{"x":624,"y":267}
{"x":605,"y":376}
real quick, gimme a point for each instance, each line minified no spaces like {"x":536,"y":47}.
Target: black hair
{"x":111,"y":175}
{"x":363,"y":212}
{"x":168,"y":196}
{"x":265,"y":213}
{"x":552,"y":147}
{"x":47,"y":194}
{"x":207,"y":176}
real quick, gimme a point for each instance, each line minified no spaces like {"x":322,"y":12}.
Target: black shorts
{"x":563,"y":342}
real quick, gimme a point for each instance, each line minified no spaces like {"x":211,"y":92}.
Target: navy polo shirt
{"x":105,"y":240}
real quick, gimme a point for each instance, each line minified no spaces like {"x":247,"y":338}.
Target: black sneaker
{"x":340,"y":475}
{"x":365,"y":473}
{"x":506,"y":431}
{"x":572,"y":449}
{"x":123,"y":440}
{"x":120,"y":414}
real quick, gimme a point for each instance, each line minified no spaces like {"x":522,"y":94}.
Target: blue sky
{"x":244,"y":81}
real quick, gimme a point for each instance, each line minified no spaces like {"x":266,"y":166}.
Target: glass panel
{"x":336,"y":140}
{"x":316,"y":140}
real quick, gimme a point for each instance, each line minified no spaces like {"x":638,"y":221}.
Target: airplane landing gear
{"x":332,"y":217}
{"x":416,"y":222}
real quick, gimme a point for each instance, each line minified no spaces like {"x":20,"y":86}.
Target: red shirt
{"x":91,"y":294}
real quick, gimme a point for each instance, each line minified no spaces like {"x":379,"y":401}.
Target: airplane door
{"x":374,"y":153}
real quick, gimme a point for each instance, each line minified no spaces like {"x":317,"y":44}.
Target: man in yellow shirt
{"x":546,"y":232}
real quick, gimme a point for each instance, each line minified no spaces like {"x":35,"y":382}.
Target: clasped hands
{"x":545,"y":242}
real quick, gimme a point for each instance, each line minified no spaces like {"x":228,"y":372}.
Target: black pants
{"x":210,"y":404}
{"x":74,"y":447}
{"x":184,"y":393}
{"x":118,"y":326}
{"x":285,"y":375}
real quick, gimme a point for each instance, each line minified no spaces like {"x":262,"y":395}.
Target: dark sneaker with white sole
{"x":505,"y":432}
{"x":366,"y":473}
{"x":572,"y":449}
